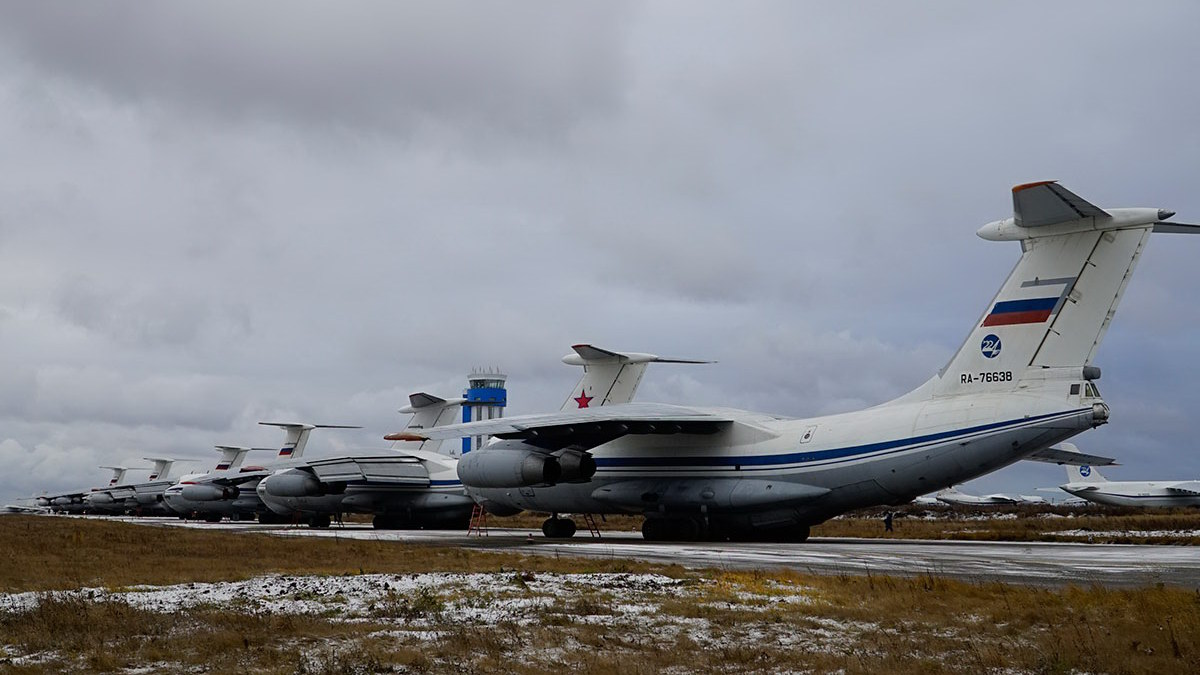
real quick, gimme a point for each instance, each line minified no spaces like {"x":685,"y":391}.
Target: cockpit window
{"x":1091,"y":391}
{"x":1075,"y":390}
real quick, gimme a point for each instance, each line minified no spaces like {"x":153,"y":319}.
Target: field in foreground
{"x":172,"y":600}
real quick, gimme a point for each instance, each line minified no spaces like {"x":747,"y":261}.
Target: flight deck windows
{"x":1075,"y":390}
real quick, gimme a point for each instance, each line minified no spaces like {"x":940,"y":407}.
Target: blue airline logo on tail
{"x":990,"y":346}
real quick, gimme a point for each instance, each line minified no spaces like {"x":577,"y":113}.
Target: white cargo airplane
{"x":955,"y":497}
{"x":230,"y":491}
{"x":194,"y":495}
{"x":1086,"y":482}
{"x":408,"y":487}
{"x":1022,"y":381}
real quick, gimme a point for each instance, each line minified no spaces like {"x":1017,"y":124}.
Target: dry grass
{"x":1019,"y":523}
{"x":48,"y":553}
{"x":727,"y":621}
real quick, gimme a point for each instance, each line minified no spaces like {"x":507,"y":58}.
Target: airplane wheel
{"x":319,"y":521}
{"x":212,"y":517}
{"x":558,"y":528}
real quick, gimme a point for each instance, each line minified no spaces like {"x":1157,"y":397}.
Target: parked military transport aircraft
{"x":1022,"y":381}
{"x":953,"y":496}
{"x":1086,"y":482}
{"x":195,"y":496}
{"x":412,"y":486}
{"x":78,"y":502}
{"x":230,"y":491}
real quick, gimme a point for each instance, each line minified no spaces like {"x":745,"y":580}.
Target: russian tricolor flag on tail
{"x":1011,"y":312}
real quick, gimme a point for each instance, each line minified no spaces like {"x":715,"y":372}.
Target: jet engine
{"x":509,"y":464}
{"x":577,"y":467}
{"x":99,"y":498}
{"x":208,"y":492}
{"x":291,"y":483}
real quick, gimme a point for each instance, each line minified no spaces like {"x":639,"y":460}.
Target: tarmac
{"x":1033,"y":563}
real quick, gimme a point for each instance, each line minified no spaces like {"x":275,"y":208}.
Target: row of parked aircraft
{"x":1021,"y":383}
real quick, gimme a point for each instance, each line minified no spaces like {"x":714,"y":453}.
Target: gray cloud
{"x":213,"y":214}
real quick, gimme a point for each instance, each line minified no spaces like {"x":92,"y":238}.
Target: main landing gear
{"x":558,"y":528}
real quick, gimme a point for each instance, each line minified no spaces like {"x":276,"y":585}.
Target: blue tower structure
{"x":485,"y":400}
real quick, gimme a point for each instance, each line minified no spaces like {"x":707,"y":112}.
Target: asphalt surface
{"x":1042,"y":564}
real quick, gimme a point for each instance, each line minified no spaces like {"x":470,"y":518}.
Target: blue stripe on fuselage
{"x":817,"y":455}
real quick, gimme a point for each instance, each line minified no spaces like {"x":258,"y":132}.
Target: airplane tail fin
{"x":297,"y":436}
{"x":430,"y":411}
{"x":609,"y":377}
{"x":161,"y":468}
{"x":232,"y":456}
{"x":1084,"y":474}
{"x":118,"y":474}
{"x":1050,"y":315}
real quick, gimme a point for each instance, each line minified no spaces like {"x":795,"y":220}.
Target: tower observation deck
{"x":486,"y":398}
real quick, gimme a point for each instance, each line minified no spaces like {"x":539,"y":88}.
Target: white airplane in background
{"x":1086,"y":482}
{"x":407,"y":487}
{"x":416,"y":484}
{"x":230,"y":491}
{"x":1022,"y":381}
{"x":193,"y":496}
{"x":80,"y":501}
{"x":954,"y":497}
{"x":114,"y":498}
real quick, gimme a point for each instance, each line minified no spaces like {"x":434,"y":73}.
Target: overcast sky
{"x":218,"y":213}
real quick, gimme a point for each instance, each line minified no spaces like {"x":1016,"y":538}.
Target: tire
{"x":319,"y":521}
{"x":559,"y":528}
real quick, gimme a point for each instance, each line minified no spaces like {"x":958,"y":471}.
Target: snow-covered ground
{"x":1126,"y":533}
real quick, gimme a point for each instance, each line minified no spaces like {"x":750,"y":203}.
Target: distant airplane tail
{"x":609,"y":377}
{"x":118,"y":474}
{"x":297,"y":436}
{"x":1084,"y":474}
{"x":1050,"y":315}
{"x":430,"y":411}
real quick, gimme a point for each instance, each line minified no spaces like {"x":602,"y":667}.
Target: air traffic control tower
{"x":486,"y":398}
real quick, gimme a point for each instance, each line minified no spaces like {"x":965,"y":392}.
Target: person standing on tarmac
{"x":887,"y":522}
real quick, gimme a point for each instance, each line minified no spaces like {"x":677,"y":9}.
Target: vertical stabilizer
{"x":1084,"y":474}
{"x":429,"y":411}
{"x":118,"y":474}
{"x":297,"y":436}
{"x":1057,"y":303}
{"x":609,"y":378}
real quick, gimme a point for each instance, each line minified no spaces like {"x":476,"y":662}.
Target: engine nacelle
{"x":291,"y":483}
{"x":508,"y":464}
{"x":62,"y":501}
{"x":577,"y":467}
{"x":207,"y":492}
{"x":99,"y":499}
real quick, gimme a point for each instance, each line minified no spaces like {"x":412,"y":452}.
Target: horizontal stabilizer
{"x":586,"y":354}
{"x":1046,"y":203}
{"x":300,"y":425}
{"x":1061,"y":455}
{"x":1176,"y":228}
{"x":422,"y":400}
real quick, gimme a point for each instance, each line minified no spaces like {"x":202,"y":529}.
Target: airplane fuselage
{"x":817,"y":467}
{"x":1132,"y":493}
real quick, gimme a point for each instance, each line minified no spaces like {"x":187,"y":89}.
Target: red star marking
{"x":583,"y":399}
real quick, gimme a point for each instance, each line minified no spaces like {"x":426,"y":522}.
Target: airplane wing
{"x":1191,"y":487}
{"x":583,"y":428}
{"x":1058,"y":455}
{"x":394,"y":469}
